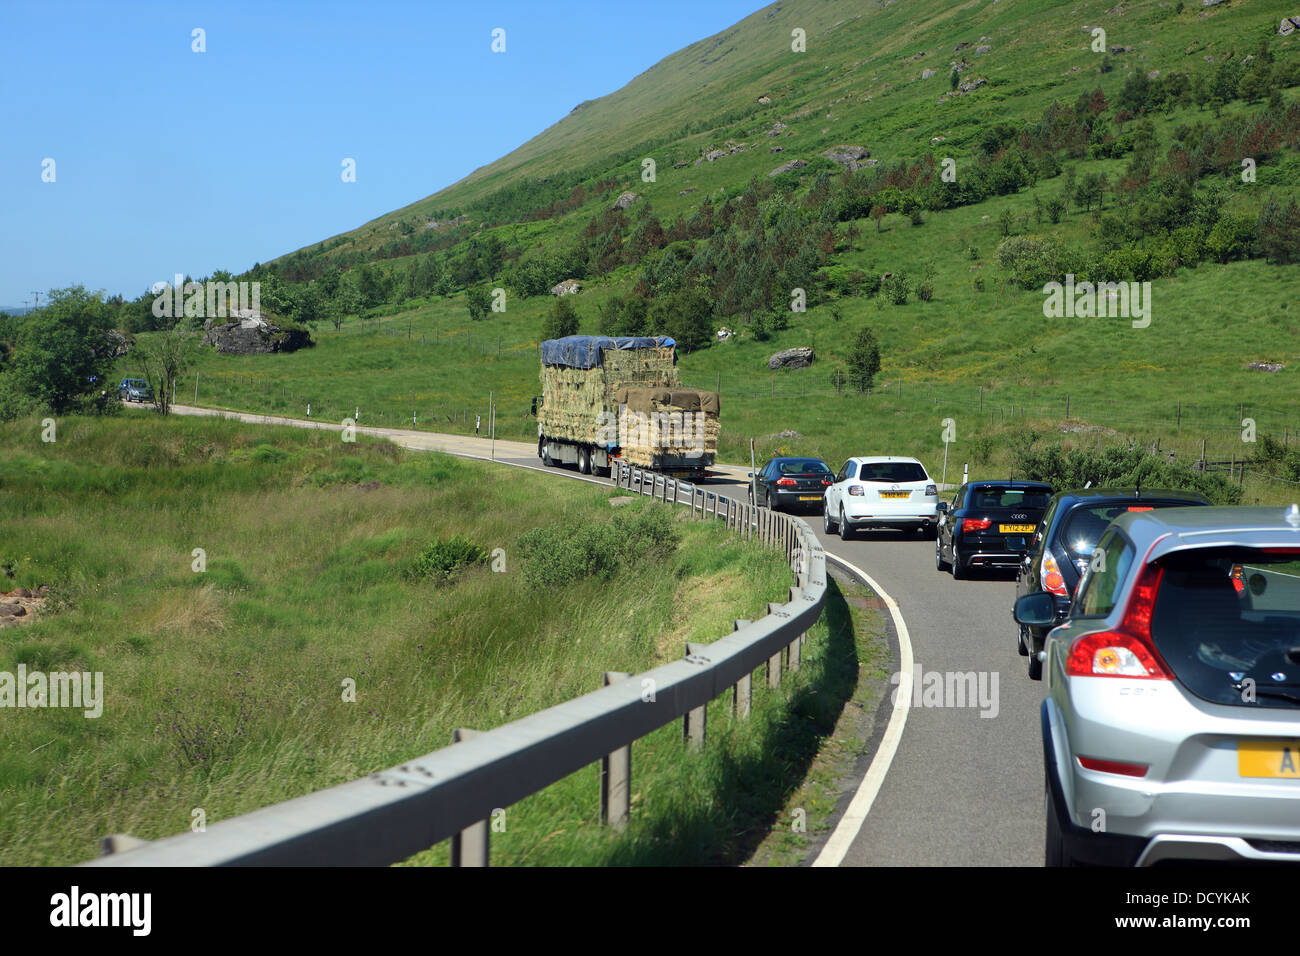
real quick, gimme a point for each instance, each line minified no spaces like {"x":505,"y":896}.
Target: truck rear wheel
{"x":584,"y":460}
{"x":544,"y":450}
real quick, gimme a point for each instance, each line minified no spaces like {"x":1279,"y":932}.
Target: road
{"x":962,"y":789}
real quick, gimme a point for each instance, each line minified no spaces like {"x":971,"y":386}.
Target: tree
{"x":346,"y":301}
{"x":686,"y":316}
{"x":562,"y":320}
{"x":864,"y":360}
{"x":61,"y":355}
{"x":478,"y":299}
{"x":164,"y":358}
{"x":878,"y":214}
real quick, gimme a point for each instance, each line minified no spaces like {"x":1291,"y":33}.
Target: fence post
{"x":469,"y":847}
{"x":743,"y":690}
{"x":616,"y":775}
{"x":695,"y":721}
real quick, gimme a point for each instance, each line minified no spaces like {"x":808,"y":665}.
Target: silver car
{"x":1171,"y":728}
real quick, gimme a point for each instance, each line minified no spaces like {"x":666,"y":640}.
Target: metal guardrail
{"x":452,"y":793}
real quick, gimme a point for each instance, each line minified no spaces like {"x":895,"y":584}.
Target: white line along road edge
{"x":855,"y":816}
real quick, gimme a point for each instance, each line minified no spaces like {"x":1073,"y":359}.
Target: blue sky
{"x":167,"y":160}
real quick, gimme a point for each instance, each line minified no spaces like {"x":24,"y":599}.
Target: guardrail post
{"x":469,"y":847}
{"x":695,"y":722}
{"x":774,"y":669}
{"x":743,"y":692}
{"x":616,"y":775}
{"x":119,"y":843}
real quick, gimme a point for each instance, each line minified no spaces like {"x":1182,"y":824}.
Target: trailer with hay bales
{"x":612,"y":398}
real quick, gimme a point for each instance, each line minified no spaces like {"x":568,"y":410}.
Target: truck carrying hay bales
{"x":608,"y":397}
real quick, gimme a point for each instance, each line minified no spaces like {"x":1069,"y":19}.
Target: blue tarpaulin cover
{"x":583,"y":351}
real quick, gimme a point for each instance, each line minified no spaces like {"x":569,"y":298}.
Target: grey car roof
{"x":1176,"y":529}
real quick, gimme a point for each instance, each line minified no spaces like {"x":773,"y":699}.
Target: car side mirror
{"x":750,"y":475}
{"x":941,"y":507}
{"x":1036,"y":610}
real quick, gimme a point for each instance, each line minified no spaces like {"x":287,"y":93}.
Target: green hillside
{"x":1041,"y":158}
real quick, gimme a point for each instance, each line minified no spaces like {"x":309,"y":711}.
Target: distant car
{"x":1063,"y":544}
{"x":134,"y":390}
{"x":1173,"y":692}
{"x":791,"y":483}
{"x":881,"y":492}
{"x":988,"y":524}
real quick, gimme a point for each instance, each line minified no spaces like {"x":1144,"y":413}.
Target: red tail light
{"x":1236,"y":574}
{"x":1127,"y":651}
{"x":786,"y":482}
{"x":1052,"y":578}
{"x":1114,"y":766}
{"x":827,"y":482}
{"x":976,"y":524}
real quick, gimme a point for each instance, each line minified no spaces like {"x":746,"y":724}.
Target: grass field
{"x":224,"y":689}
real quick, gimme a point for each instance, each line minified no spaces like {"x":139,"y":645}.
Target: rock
{"x":621,"y":500}
{"x":789,"y":435}
{"x":567,"y":287}
{"x":1288,"y":26}
{"x":935,"y":140}
{"x":251,"y":334}
{"x":687,"y":191}
{"x":1153,"y":74}
{"x":847,"y":155}
{"x":43,"y":590}
{"x":21,"y":592}
{"x":625,"y":201}
{"x":777,"y":129}
{"x":786,"y":167}
{"x":682,"y":165}
{"x":916,"y":56}
{"x":776,"y":149}
{"x":961,"y":46}
{"x":971,"y":85}
{"x":1212,"y":3}
{"x":1266,"y":366}
{"x":765,"y":99}
{"x":12,"y":610}
{"x":981,"y":50}
{"x":713,"y":154}
{"x":724,"y":333}
{"x":1117,"y":50}
{"x":800,"y":357}
{"x":926,"y":74}
{"x":118,"y":342}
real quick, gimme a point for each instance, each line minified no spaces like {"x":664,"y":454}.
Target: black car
{"x":792,"y":483}
{"x":1063,"y":545}
{"x":988,"y":524}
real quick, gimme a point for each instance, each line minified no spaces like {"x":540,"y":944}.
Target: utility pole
{"x":38,"y":300}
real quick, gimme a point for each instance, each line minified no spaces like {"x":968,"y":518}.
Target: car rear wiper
{"x":1275,"y":692}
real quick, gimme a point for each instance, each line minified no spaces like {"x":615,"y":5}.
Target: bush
{"x":1031,"y":260}
{"x":1117,"y":466}
{"x":559,"y":555}
{"x":444,"y":557}
{"x":895,"y":288}
{"x":562,"y":320}
{"x":864,"y":360}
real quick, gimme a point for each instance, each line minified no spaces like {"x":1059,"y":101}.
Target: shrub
{"x":864,"y":359}
{"x":444,"y":557}
{"x":1119,"y":466}
{"x":1031,"y":260}
{"x":559,"y":555}
{"x":895,"y":288}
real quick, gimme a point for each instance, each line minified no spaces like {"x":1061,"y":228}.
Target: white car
{"x":881,"y":492}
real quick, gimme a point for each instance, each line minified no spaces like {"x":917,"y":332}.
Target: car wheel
{"x":939,"y":563}
{"x":827,"y":523}
{"x":1021,"y":646}
{"x":959,"y":570}
{"x":1054,"y":852}
{"x":1035,"y":665}
{"x":846,"y":532}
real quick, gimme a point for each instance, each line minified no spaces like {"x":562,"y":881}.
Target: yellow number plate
{"x":810,"y":497}
{"x":1268,"y":758}
{"x":895,"y":494}
{"x":1016,"y":528}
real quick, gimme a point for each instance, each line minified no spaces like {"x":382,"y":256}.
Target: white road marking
{"x":855,"y":816}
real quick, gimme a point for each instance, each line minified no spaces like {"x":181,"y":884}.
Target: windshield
{"x":1000,"y":496}
{"x":803,"y":466}
{"x":1227,"y":621}
{"x":893,"y":471}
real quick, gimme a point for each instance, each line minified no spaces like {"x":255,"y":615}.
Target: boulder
{"x":625,"y":201}
{"x":764,"y":100}
{"x":713,"y":154}
{"x":251,"y":334}
{"x":926,"y":74}
{"x":800,"y":357}
{"x":1266,"y":366}
{"x":776,"y":149}
{"x":777,"y":129}
{"x":969,"y":86}
{"x":117,"y":342}
{"x":981,"y":50}
{"x":567,"y":287}
{"x":786,"y":167}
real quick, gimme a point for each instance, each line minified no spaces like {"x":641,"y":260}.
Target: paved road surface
{"x":962,"y":789}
